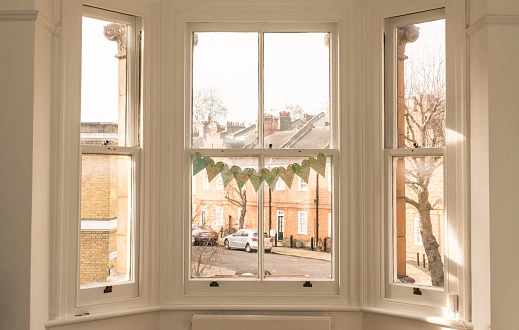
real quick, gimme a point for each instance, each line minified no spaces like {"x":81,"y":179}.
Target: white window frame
{"x":302,"y":222}
{"x":398,"y":296}
{"x":65,"y":267}
{"x":327,"y":287}
{"x":126,"y":289}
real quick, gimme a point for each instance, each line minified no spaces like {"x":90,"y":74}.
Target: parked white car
{"x":247,"y":239}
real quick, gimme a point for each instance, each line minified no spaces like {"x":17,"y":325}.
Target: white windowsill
{"x":441,"y":321}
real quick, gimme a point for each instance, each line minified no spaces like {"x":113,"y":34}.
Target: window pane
{"x":106,"y":212}
{"x":103,"y":83}
{"x":421,"y":85}
{"x":297,"y":93}
{"x":418,"y":201}
{"x":225,"y":90}
{"x":224,"y":215}
{"x":298,"y":220}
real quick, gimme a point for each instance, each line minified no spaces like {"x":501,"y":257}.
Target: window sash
{"x":129,"y":147}
{"x":302,"y":222}
{"x":393,"y":290}
{"x":197,"y":286}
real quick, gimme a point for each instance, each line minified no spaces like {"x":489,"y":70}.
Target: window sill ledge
{"x":441,"y":321}
{"x":68,"y":320}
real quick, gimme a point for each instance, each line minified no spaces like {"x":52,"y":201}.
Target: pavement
{"x":302,"y":252}
{"x":421,"y":275}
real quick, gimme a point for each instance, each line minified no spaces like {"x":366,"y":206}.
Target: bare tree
{"x":208,"y":106}
{"x":425,"y":127}
{"x":204,"y":257}
{"x":295,"y":110}
{"x":237,"y":197}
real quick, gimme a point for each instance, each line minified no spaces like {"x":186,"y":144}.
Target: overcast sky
{"x":296,"y":70}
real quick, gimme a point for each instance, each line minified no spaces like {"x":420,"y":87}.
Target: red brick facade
{"x":289,"y":201}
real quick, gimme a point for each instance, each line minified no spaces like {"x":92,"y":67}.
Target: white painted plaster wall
{"x":16,"y":139}
{"x":494,"y":158}
{"x":503,"y":127}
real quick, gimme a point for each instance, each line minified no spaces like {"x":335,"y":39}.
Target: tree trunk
{"x":241,"y":221}
{"x":430,"y":243}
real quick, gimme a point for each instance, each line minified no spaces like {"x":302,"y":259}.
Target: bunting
{"x":257,"y":177}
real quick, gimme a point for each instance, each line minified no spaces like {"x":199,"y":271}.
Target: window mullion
{"x":261,"y":89}
{"x":261,"y":222}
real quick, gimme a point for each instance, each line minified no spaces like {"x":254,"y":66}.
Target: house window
{"x":219,"y":182}
{"x":280,"y":185}
{"x":206,"y":184}
{"x":250,"y":137}
{"x":203,"y":215}
{"x":302,"y":222}
{"x":303,"y":186}
{"x":416,"y":112}
{"x":219,"y":216}
{"x":417,"y":233}
{"x":110,"y":148}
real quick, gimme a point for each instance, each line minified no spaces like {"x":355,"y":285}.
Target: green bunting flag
{"x":257,"y":177}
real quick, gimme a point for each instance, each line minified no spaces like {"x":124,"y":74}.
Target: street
{"x":219,"y":261}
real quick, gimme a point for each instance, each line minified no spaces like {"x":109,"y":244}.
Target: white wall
{"x":503,"y":127}
{"x":25,"y":73}
{"x":16,"y":136}
{"x":494,"y":45}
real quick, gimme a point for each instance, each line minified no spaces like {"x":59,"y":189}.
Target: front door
{"x":281,"y":225}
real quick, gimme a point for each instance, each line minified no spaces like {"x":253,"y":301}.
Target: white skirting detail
{"x":259,"y":322}
{"x":98,"y":225}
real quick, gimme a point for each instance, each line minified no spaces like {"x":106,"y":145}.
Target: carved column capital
{"x":406,"y":34}
{"x":117,"y":32}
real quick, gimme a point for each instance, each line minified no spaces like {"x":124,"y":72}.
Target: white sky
{"x":432,"y":37}
{"x":100,"y":74}
{"x":296,"y":70}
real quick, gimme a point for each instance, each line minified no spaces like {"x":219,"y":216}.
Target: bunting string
{"x":257,"y":177}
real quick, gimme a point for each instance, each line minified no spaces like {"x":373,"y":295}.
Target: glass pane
{"x":297,"y":220}
{"x":224,"y":224}
{"x":419,"y":225}
{"x":225,"y":90}
{"x":421,"y":85}
{"x":106,"y":212}
{"x":297,"y":91}
{"x":103,"y":83}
